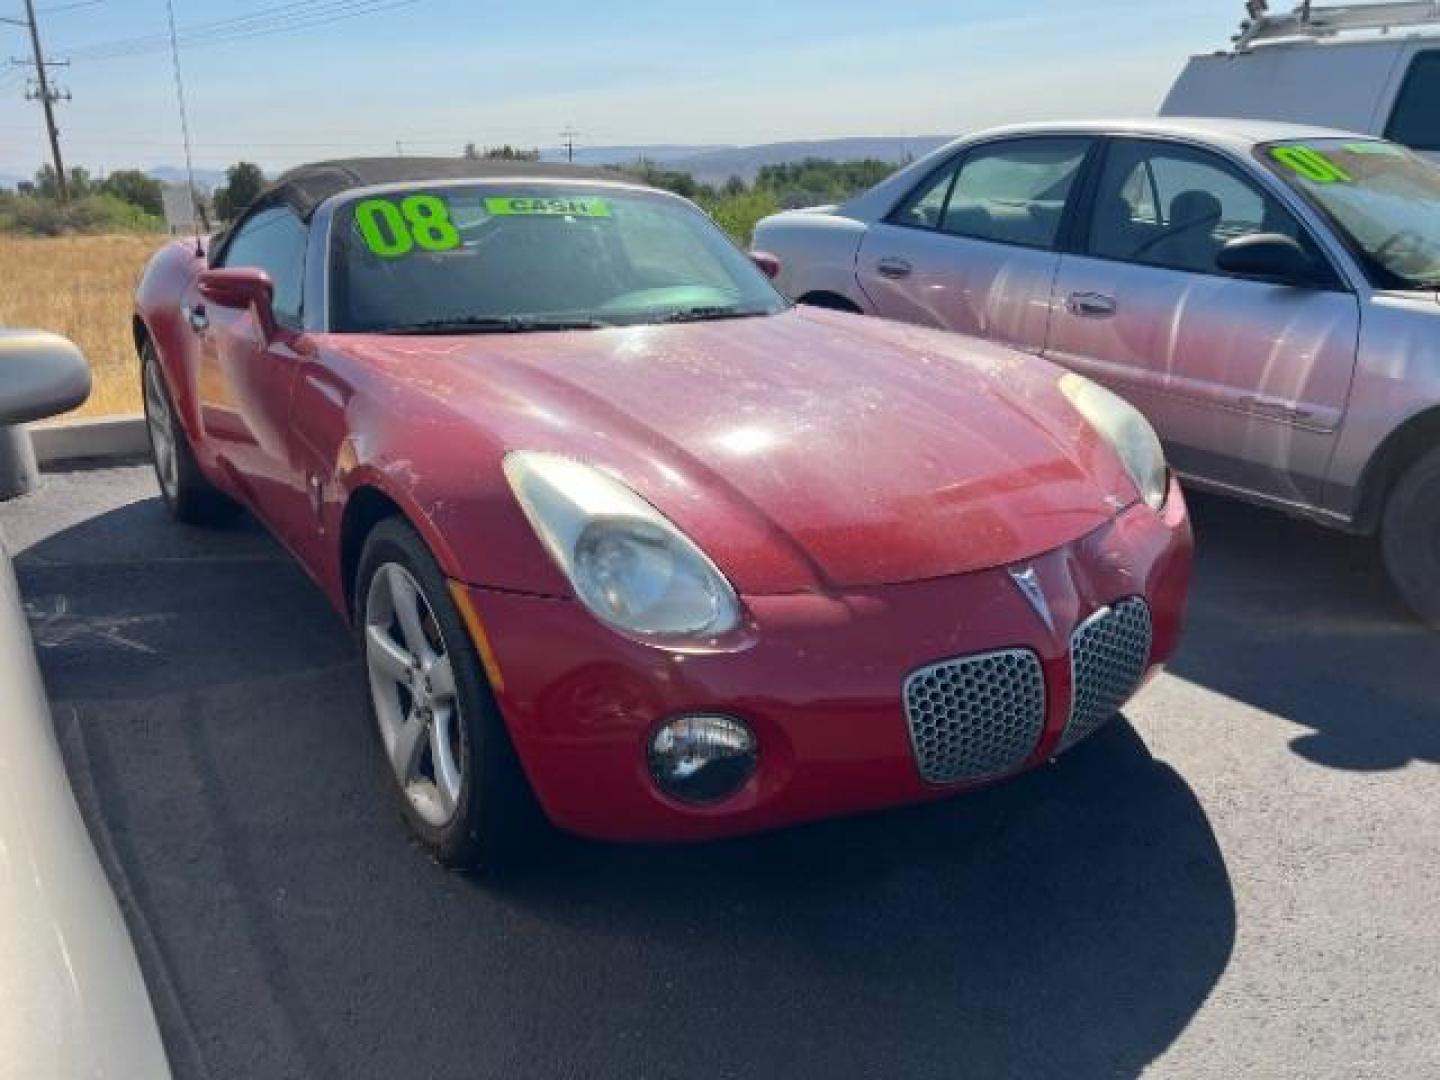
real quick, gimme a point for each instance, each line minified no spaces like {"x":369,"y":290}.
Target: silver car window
{"x":1011,"y":192}
{"x":1382,"y":199}
{"x":1415,"y":121}
{"x":1173,"y":206}
{"x":1015,"y":192}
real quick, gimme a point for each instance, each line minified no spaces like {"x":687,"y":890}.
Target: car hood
{"x":808,"y":449}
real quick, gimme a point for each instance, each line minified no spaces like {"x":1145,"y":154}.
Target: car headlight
{"x":627,"y":563}
{"x":1129,"y":433}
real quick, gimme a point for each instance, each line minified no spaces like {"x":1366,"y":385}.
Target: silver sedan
{"x":1265,"y":293}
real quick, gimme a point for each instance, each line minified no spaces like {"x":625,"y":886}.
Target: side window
{"x":1173,"y":206}
{"x":1014,"y":192}
{"x":1141,"y":202}
{"x":1416,"y":119}
{"x":924,"y":207}
{"x":274,"y":240}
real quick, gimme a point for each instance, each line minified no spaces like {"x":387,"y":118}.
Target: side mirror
{"x":769,"y":265}
{"x":1271,"y":257}
{"x":41,"y":375}
{"x":240,"y":287}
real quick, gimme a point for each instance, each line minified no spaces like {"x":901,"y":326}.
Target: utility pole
{"x":45,"y":95}
{"x":569,"y":135}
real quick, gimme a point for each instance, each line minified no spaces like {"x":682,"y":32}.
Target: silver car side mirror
{"x":41,"y":374}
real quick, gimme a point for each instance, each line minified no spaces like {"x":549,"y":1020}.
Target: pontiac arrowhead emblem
{"x":1028,"y":582}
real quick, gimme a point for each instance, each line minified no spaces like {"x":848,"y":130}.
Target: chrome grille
{"x":975,"y":717}
{"x":1108,"y":655}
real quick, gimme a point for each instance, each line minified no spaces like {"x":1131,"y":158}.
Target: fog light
{"x":702,"y":758}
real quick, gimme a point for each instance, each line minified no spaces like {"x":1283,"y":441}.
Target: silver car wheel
{"x":412,"y":686}
{"x":162,"y":432}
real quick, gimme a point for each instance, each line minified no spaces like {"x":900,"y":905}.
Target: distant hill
{"x":707,"y":162}
{"x":716,"y":166}
{"x":622,"y":155}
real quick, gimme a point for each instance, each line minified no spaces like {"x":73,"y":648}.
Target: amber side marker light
{"x":478,"y":635}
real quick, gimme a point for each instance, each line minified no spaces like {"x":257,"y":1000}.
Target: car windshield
{"x":1384,"y":200}
{"x":489,"y":258}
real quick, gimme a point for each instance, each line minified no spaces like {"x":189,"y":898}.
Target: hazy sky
{"x":438,"y":73}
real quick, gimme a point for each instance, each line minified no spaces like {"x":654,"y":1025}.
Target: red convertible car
{"x":630,"y":543}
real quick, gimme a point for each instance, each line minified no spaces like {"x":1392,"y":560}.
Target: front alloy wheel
{"x":413,"y":687}
{"x":445,"y":744}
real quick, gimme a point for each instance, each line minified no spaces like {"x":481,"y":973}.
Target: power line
{"x":288,"y":10}
{"x":55,"y":9}
{"x":285,"y":18}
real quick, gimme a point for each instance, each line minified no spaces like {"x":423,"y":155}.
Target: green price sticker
{"x":571,"y":206}
{"x":1309,"y":164}
{"x":392,"y":229}
{"x":1375,"y":149}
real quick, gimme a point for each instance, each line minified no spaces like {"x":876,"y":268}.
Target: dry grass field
{"x":82,"y":287}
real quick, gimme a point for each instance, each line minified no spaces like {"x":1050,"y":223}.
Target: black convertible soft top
{"x":305,"y":187}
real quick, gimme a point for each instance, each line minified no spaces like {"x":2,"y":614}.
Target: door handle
{"x":1090,"y":305}
{"x":196,"y":317}
{"x":893,"y":268}
{"x":1273,"y":407}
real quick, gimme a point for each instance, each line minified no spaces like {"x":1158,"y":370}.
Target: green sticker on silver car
{"x":565,"y":206}
{"x":1310,"y":164}
{"x":1374,"y":148}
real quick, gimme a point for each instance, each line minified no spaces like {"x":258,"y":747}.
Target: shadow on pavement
{"x":1068,"y":923}
{"x":1301,"y":622}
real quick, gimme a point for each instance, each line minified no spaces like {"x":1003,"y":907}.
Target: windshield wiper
{"x":712,"y":311}
{"x":509,"y":324}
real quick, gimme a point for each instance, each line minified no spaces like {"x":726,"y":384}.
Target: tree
{"x":472,"y":153}
{"x":647,"y":172}
{"x":511,"y":153}
{"x":80,"y":183}
{"x":137,"y":189}
{"x":243,"y":182}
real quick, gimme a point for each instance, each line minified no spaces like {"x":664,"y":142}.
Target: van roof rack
{"x":1310,"y":21}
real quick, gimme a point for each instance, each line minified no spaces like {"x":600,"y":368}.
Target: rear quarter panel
{"x":168,"y":279}
{"x":1397,"y":378}
{"x":817,"y":253}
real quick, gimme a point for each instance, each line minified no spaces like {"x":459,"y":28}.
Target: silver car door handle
{"x":893,"y":268}
{"x":1090,"y":305}
{"x":1279,"y":409}
{"x":196,"y":317}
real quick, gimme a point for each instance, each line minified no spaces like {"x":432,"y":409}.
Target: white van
{"x":1373,"y":69}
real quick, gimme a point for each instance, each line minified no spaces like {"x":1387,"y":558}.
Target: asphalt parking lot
{"x":1239,"y":878}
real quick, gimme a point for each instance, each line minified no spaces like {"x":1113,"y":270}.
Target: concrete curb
{"x":104,"y":438}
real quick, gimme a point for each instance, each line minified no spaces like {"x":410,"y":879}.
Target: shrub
{"x":737,"y":214}
{"x":137,"y":189}
{"x":32,"y":215}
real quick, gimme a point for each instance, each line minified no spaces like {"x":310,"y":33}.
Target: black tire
{"x":188,"y":495}
{"x":496,"y":820}
{"x":1410,"y":537}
